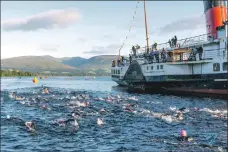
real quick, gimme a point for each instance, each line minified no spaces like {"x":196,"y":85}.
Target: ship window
{"x":151,"y":67}
{"x":225,"y":66}
{"x":158,"y":67}
{"x":147,"y":68}
{"x":118,"y":71}
{"x":216,"y":67}
{"x":161,"y":66}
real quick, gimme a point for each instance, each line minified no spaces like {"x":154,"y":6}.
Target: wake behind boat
{"x":196,"y":65}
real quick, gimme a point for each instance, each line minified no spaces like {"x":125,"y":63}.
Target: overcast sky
{"x":85,"y":29}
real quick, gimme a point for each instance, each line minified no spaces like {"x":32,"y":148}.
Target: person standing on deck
{"x":151,"y":56}
{"x":130,"y":58}
{"x":134,"y":50}
{"x":172,"y":42}
{"x":175,"y":40}
{"x":170,"y":45}
{"x":200,"y":51}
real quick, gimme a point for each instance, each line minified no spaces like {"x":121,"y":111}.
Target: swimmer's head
{"x":44,"y":106}
{"x":102,"y":110}
{"x":99,"y":121}
{"x":75,"y":115}
{"x":87,"y":103}
{"x":8,"y":116}
{"x":183,"y":133}
{"x":195,"y":108}
{"x":179,"y":114}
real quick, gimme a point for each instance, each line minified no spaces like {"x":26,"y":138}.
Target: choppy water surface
{"x":132,"y":122}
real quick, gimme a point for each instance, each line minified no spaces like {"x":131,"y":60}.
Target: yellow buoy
{"x":35,"y":80}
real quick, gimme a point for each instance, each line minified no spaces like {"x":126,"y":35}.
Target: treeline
{"x":12,"y":73}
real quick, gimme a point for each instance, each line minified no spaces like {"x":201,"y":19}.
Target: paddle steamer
{"x":195,"y":65}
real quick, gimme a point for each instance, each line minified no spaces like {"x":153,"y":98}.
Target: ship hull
{"x":207,"y":88}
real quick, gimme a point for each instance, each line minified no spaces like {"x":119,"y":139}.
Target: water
{"x":142,"y":128}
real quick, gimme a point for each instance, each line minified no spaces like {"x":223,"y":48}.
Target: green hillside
{"x":66,"y":64}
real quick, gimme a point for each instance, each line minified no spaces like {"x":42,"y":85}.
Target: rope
{"x":130,"y":27}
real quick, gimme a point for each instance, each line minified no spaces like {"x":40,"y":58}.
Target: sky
{"x":91,"y":28}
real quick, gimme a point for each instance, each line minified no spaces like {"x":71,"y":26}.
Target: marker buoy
{"x":35,"y":80}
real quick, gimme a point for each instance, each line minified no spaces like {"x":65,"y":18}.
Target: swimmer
{"x":195,"y":108}
{"x":30,"y":126}
{"x":44,"y":106}
{"x":108,"y":99}
{"x":132,"y":105}
{"x":179,"y":116}
{"x":45,"y":91}
{"x":102,"y":110}
{"x":11,"y":95}
{"x":76,"y":123}
{"x":118,"y":96}
{"x":78,"y":103}
{"x":8,"y":117}
{"x":75,"y":116}
{"x":182,"y":109}
{"x":85,"y":104}
{"x":184,"y":137}
{"x":19,"y":98}
{"x":127,"y":109}
{"x":99,"y":121}
{"x":133,"y":98}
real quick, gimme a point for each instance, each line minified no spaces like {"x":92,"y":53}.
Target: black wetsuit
{"x":182,"y":109}
{"x":183,"y":138}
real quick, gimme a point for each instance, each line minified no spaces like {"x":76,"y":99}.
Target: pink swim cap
{"x":183,"y":133}
{"x":102,"y":110}
{"x":43,"y":106}
{"x":195,"y":108}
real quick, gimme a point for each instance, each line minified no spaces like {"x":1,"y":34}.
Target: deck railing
{"x":186,"y":42}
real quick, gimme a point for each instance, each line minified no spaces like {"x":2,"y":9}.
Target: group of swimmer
{"x":77,"y":106}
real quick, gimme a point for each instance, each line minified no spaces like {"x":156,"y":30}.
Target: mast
{"x":147,"y":39}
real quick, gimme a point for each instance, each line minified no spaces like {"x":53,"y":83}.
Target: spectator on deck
{"x":163,"y":55}
{"x":151,"y":56}
{"x":172,"y":42}
{"x":155,"y":46}
{"x":134,"y":50}
{"x":175,"y":40}
{"x":157,"y":56}
{"x":130,"y":58}
{"x":170,"y":45}
{"x":200,"y":51}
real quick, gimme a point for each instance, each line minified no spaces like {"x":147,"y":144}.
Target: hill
{"x":52,"y":64}
{"x":35,"y":64}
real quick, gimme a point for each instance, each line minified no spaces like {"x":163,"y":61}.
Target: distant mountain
{"x":74,"y":61}
{"x":65,"y":64}
{"x":35,"y":64}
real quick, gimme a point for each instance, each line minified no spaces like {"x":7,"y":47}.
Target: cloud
{"x":189,"y":23}
{"x":107,"y":36}
{"x":82,"y":40}
{"x":49,"y":48}
{"x":45,"y":20}
{"x":110,"y":49}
